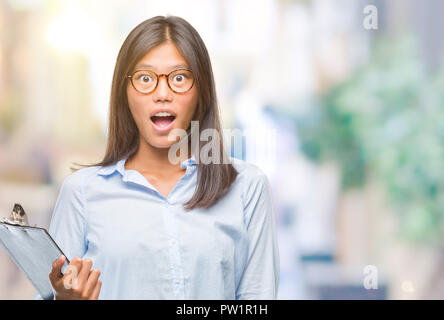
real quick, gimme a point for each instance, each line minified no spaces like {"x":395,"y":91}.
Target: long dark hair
{"x":214,"y":179}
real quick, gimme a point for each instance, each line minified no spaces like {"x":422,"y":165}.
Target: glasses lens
{"x":144,"y":81}
{"x":181,"y":80}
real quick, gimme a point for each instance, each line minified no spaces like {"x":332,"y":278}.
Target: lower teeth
{"x":163,"y":121}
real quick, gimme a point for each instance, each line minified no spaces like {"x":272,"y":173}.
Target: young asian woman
{"x":140,"y":226}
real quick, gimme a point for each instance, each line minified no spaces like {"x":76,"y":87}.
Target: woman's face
{"x":154,"y":130}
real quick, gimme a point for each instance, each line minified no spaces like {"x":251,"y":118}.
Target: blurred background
{"x":347,"y":97}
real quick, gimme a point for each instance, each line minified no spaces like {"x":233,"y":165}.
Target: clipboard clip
{"x":17,"y":216}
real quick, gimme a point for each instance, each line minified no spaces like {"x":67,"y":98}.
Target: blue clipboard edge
{"x":31,"y":227}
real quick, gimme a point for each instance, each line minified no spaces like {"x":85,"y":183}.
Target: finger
{"x":84,"y":273}
{"x":71,"y":276}
{"x":91,"y":283}
{"x":56,"y":272}
{"x":96,"y":292}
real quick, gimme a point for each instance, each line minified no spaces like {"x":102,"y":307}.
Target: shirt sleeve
{"x":68,"y":223}
{"x":260,"y":278}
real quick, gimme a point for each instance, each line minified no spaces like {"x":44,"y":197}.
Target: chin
{"x":161,"y":142}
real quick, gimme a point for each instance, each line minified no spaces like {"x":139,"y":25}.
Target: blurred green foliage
{"x":387,"y":120}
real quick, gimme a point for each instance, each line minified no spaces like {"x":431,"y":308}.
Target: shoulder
{"x":248,"y":172}
{"x":79,"y":178}
{"x":251,"y":177}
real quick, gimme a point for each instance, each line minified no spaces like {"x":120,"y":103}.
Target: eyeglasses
{"x":146,"y":81}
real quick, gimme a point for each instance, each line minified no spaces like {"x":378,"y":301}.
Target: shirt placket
{"x":174,"y":252}
{"x":177,"y":274}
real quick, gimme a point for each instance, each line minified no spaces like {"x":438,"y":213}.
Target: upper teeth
{"x":163,"y":114}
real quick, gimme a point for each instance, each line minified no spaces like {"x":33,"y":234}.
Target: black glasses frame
{"x":158,"y":76}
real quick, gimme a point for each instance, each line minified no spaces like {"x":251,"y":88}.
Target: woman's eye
{"x":144,"y":78}
{"x":179,"y":77}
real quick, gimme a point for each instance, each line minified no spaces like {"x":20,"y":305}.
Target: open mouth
{"x":162,"y":123}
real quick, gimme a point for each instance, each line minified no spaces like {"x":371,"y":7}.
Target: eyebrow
{"x":148,"y":66}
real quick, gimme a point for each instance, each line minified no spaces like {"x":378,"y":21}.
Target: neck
{"x":151,"y":159}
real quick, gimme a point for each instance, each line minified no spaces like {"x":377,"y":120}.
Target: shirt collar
{"x":120,"y":166}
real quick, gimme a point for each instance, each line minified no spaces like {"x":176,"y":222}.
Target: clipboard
{"x":32,"y":249}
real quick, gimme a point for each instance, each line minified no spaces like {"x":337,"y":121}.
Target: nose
{"x":162,"y":91}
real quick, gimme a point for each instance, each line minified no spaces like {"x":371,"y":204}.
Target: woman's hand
{"x":79,"y":282}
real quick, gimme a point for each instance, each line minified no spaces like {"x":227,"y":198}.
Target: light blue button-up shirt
{"x":148,"y":247}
